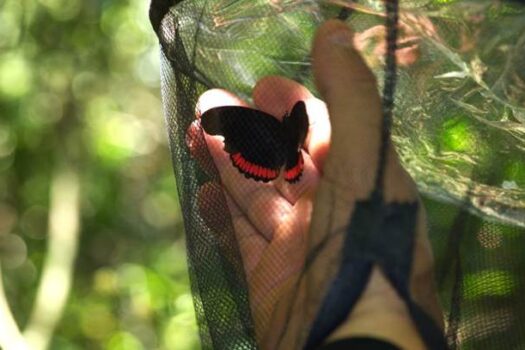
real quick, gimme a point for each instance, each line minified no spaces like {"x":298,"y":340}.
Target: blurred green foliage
{"x":79,"y":85}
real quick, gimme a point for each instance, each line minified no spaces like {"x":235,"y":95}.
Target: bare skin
{"x":277,"y":224}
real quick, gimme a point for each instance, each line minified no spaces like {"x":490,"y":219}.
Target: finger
{"x":350,"y":90}
{"x":211,"y":200}
{"x":263,"y":205}
{"x":251,"y":243}
{"x":198,"y":149}
{"x":216,"y":98}
{"x":283,"y":260}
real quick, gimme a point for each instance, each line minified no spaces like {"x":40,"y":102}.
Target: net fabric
{"x":458,"y":128}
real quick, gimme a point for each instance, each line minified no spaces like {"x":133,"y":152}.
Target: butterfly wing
{"x":295,"y":128}
{"x":254,"y":139}
{"x":294,"y":167}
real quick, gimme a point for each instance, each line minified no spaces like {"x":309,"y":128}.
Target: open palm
{"x":270,"y":219}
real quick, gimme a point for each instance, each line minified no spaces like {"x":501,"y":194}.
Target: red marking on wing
{"x":253,"y":170}
{"x":292,"y":175}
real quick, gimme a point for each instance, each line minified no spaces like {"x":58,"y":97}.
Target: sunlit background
{"x":91,"y":239}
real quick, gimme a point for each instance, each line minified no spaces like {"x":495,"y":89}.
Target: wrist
{"x":381,"y":314}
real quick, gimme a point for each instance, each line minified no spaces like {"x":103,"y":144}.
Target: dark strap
{"x":360,"y":343}
{"x":379,"y":234}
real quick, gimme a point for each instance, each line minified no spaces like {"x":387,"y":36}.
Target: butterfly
{"x":259,"y":144}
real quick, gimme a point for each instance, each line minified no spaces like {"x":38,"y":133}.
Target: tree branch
{"x":58,"y":266}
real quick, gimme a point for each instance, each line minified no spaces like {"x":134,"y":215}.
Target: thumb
{"x":350,"y":90}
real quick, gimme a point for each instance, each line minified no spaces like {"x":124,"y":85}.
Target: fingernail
{"x":342,"y":37}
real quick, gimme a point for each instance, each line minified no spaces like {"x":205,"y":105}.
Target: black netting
{"x":458,"y":127}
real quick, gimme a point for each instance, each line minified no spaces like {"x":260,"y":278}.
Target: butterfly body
{"x":258,"y":143}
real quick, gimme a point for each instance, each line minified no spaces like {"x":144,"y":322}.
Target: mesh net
{"x":458,"y":127}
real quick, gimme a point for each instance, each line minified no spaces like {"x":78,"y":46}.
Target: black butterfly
{"x":258,"y":143}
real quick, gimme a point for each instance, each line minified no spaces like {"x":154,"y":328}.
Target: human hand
{"x":272,"y":221}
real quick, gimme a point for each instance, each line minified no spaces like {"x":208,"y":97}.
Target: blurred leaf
{"x":79,"y":83}
{"x":489,"y":283}
{"x":15,"y":75}
{"x":124,"y":341}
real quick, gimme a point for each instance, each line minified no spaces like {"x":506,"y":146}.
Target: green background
{"x":79,"y":99}
{"x":79,"y":90}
